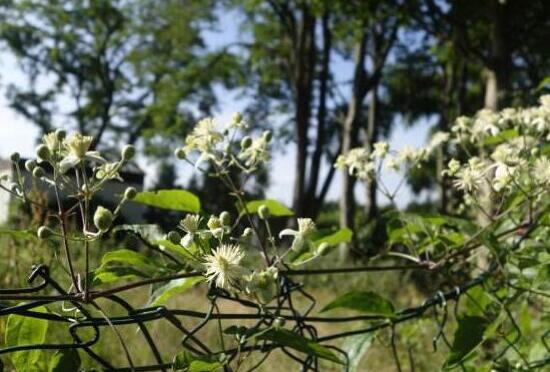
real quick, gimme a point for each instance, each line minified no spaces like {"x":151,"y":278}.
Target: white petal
{"x":287,"y":232}
{"x":70,"y":161}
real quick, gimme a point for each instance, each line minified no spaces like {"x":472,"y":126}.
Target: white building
{"x":109,"y":196}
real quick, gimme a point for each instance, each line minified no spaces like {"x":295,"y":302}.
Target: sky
{"x":18,"y":134}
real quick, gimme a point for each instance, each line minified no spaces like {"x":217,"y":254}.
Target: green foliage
{"x":64,"y":360}
{"x":177,"y":200}
{"x":25,"y":331}
{"x":468,"y":337}
{"x":185,"y":361}
{"x":172,"y":288}
{"x":275,"y":208}
{"x":356,"y":347}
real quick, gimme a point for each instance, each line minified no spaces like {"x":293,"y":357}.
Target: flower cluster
{"x":214,"y":143}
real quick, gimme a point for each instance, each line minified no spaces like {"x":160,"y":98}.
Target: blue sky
{"x":17,"y":134}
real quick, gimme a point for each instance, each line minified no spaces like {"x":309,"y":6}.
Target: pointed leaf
{"x":368,"y":303}
{"x":185,"y":361}
{"x":177,"y":286}
{"x":297,"y":342}
{"x":356,"y":346}
{"x":276,"y":208}
{"x":468,"y":336}
{"x":22,"y":330}
{"x":176,"y":200}
{"x":339,"y":236}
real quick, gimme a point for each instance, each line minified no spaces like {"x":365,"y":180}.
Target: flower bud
{"x":128,"y":152}
{"x":247,"y":233}
{"x":246,"y":142}
{"x":267,"y":135}
{"x":44,"y":232}
{"x":60,"y":134}
{"x":225,"y":217}
{"x":30,"y":165}
{"x":236,"y":117}
{"x":38,"y":172}
{"x":130,"y":193}
{"x":103,"y":218}
{"x":535,"y":151}
{"x":263,"y":212}
{"x":15,"y":157}
{"x":42,"y":152}
{"x":174,"y":237}
{"x":180,"y":153}
{"x":279,"y":322}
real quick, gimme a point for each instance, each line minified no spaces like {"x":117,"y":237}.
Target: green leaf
{"x":356,"y":346}
{"x":468,"y":336}
{"x":21,"y":330}
{"x":177,"y":286}
{"x":297,"y":342}
{"x":176,"y":200}
{"x":111,"y":274}
{"x":64,"y":360}
{"x":501,"y":137}
{"x":129,"y":258}
{"x":276,"y":208}
{"x":185,"y":361}
{"x":146,"y":231}
{"x":368,"y":303}
{"x":340,"y":236}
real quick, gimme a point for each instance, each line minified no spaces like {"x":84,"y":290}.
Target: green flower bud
{"x":128,"y":152}
{"x":44,"y":232}
{"x":42,"y":152}
{"x":60,"y":134}
{"x":246,"y":142}
{"x":15,"y":157}
{"x":237,"y":117}
{"x":173,"y":237}
{"x":247,"y":233}
{"x":267,"y":135}
{"x":103,"y":218}
{"x":130,"y":193}
{"x":38,"y":172}
{"x":263,"y":212}
{"x":279,"y":322}
{"x":225,"y":217}
{"x":30,"y":165}
{"x":180,"y":153}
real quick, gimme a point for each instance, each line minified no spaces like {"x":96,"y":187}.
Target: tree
{"x":113,"y":69}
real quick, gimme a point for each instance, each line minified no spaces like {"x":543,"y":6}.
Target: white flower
{"x":393,"y":164}
{"x":541,"y":169}
{"x":545,"y":100}
{"x":452,"y":167}
{"x":215,"y":226}
{"x":223,"y":266}
{"x":306,"y":226}
{"x":359,"y":163}
{"x":203,"y":138}
{"x":78,"y":147}
{"x":256,"y":153}
{"x":437,"y":140}
{"x":503,"y":176}
{"x":51,"y":141}
{"x":380,"y":150}
{"x":190,"y":224}
{"x":470,"y":176}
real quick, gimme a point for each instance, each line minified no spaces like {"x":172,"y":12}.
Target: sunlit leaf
{"x":356,"y":346}
{"x":276,"y":208}
{"x":22,"y":330}
{"x":185,"y":361}
{"x":176,"y":200}
{"x":174,"y":287}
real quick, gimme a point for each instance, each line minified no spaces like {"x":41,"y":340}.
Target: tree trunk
{"x":312,"y":209}
{"x":372,"y":138}
{"x":349,"y":140}
{"x":304,"y":66}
